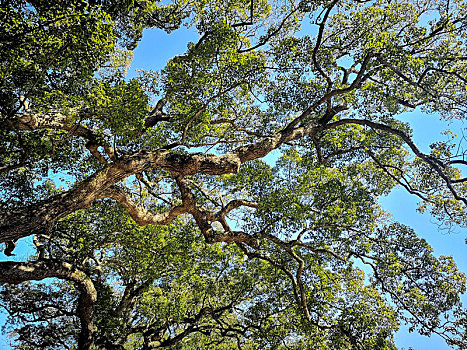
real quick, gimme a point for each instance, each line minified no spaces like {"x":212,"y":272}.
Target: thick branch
{"x":138,"y":213}
{"x":156,"y":115}
{"x":57,"y":121}
{"x":203,"y":218}
{"x":16,"y":272}
{"x":39,"y":217}
{"x":60,"y":121}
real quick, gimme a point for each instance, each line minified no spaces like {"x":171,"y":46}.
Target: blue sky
{"x":157,"y":47}
{"x":154,"y":51}
{"x":426,"y":129}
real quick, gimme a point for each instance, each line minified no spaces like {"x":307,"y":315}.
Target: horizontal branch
{"x":39,"y":218}
{"x":60,"y":121}
{"x":13,"y":272}
{"x":53,"y":120}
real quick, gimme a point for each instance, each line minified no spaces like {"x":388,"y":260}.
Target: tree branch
{"x":432,"y":162}
{"x":39,"y":217}
{"x":17,"y":272}
{"x":140,"y":214}
{"x":60,"y":121}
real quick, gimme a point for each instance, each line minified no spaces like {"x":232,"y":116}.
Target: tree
{"x":168,"y":226}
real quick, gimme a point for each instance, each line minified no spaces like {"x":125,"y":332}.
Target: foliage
{"x":230,"y":198}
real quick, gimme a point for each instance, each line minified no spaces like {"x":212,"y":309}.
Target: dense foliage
{"x":159,"y":217}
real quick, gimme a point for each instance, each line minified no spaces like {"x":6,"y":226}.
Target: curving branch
{"x":404,"y":184}
{"x":59,"y":121}
{"x":361,"y":76}
{"x":204,"y":218}
{"x":234,"y":204}
{"x":434,"y":163}
{"x":156,"y":115}
{"x":297,"y":284}
{"x":319,"y":39}
{"x":140,"y":214}
{"x":39,"y":217}
{"x":17,"y":272}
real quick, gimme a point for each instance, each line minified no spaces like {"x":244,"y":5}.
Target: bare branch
{"x":319,"y":38}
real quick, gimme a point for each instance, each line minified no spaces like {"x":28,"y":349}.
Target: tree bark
{"x":38,"y":218}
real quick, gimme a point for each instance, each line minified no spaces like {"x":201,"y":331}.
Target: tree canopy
{"x":159,"y":218}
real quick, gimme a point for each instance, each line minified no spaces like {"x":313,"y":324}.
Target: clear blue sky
{"x":154,"y":51}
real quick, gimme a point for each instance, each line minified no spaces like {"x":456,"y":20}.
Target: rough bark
{"x":138,"y":213}
{"x":39,"y":217}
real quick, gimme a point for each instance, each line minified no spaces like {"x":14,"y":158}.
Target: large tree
{"x":155,"y":209}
